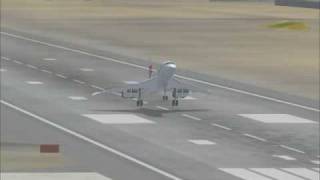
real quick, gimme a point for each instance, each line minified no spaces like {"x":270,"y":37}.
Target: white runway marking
{"x":93,"y":142}
{"x":3,"y":70}
{"x":34,"y":82}
{"x":303,"y":172}
{"x":31,"y":66}
{"x":49,"y":59}
{"x":162,"y":108}
{"x":179,"y":76}
{"x":97,"y":87}
{"x":118,"y":119}
{"x":244,"y":174}
{"x":276,"y":118}
{"x":131,"y":82}
{"x":201,"y":142}
{"x":5,"y":58}
{"x":288,"y":158}
{"x":292,"y":149}
{"x":189,"y":98}
{"x":191,"y":117}
{"x":46,"y":71}
{"x":316,"y":169}
{"x":255,"y":137}
{"x":78,"y":98}
{"x":317,"y":162}
{"x":78,"y":81}
{"x":86,"y":69}
{"x":18,"y":62}
{"x":51,"y":176}
{"x":220,"y":126}
{"x":276,"y":174}
{"x":61,"y":76}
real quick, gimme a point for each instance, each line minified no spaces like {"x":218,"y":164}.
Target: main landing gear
{"x":140,"y":103}
{"x":175,"y":102}
{"x":165,"y":98}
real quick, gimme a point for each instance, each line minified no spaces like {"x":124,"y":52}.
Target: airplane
{"x":163,"y":81}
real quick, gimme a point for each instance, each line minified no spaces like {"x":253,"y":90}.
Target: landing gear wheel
{"x":140,"y":103}
{"x":175,"y":102}
{"x":165,"y":98}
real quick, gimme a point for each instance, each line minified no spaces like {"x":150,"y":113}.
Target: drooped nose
{"x":172,"y":66}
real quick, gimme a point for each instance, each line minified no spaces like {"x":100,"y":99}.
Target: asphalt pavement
{"x":226,"y":134}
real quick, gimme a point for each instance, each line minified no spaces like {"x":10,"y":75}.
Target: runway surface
{"x":227,"y":134}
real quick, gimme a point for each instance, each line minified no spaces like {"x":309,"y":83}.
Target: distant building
{"x":299,"y":3}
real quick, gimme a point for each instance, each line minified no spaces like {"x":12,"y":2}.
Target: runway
{"x":227,"y":134}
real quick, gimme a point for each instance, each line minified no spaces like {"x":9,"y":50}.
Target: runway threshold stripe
{"x":179,"y":76}
{"x":91,"y":141}
{"x":244,"y":174}
{"x":276,"y":174}
{"x":303,"y":172}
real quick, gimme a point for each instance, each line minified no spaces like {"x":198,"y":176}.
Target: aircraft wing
{"x":131,"y":90}
{"x":175,"y":83}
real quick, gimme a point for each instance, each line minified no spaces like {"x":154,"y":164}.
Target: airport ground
{"x":49,"y":71}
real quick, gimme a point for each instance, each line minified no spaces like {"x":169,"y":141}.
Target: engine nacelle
{"x":180,"y":93}
{"x":130,"y":93}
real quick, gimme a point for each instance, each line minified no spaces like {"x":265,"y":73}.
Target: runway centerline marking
{"x":220,"y":126}
{"x":255,"y":137}
{"x":5,"y":58}
{"x":46,"y":71}
{"x":97,"y":87}
{"x":49,"y":59}
{"x":34,"y":82}
{"x":94,"y":142}
{"x":179,"y":76}
{"x":3,"y":70}
{"x":78,"y":81}
{"x":202,"y":142}
{"x":292,"y":149}
{"x":162,"y":108}
{"x":18,"y":62}
{"x":78,"y":98}
{"x":61,"y":76}
{"x":191,"y":117}
{"x":31,"y":66}
{"x":86,"y":69}
{"x":285,"y":157}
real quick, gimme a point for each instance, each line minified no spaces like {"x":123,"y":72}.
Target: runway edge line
{"x":91,"y":141}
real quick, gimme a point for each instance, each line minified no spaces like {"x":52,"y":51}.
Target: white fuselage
{"x":165,"y":73}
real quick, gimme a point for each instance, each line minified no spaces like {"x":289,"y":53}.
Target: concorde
{"x":163,"y":81}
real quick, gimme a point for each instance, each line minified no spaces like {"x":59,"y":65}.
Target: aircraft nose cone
{"x":173,"y":66}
